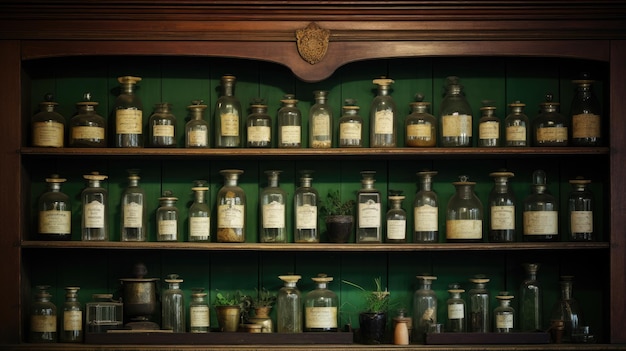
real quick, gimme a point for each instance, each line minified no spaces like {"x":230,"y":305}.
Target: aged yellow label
{"x":586,"y":125}
{"x":72,"y":320}
{"x":198,"y":138}
{"x":581,"y":221}
{"x":489,"y":130}
{"x":230,"y":216}
{"x":128,"y":121}
{"x":48,"y":134}
{"x":350,"y":131}
{"x":426,"y":218}
{"x":55,"y":222}
{"x":306,"y":217}
{"x":422,"y":131}
{"x":320,"y":124}
{"x":274,"y":215}
{"x":259,"y":134}
{"x":199,"y":226}
{"x":551,"y":134}
{"x":457,"y":125}
{"x":396,"y":229}
{"x":384,"y":122}
{"x":87,"y":133}
{"x":516,"y":133}
{"x":464,"y":229}
{"x":541,"y":223}
{"x":199,"y":316}
{"x":290,"y":135}
{"x":321,"y":317}
{"x":163,"y":130}
{"x":502,"y":217}
{"x":229,"y":124}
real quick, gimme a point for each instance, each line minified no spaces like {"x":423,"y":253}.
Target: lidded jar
{"x":541,"y":211}
{"x":95,"y":201}
{"x":55,"y":212}
{"x":426,"y":210}
{"x":531,"y":300}
{"x":133,"y":209}
{"x":420,"y":125}
{"x":455,"y":116}
{"x":273,"y":216}
{"x":72,"y":318}
{"x":320,"y":122}
{"x":228,"y":115}
{"x":550,"y":127}
{"x":383,"y":115}
{"x":289,"y":306}
{"x":162,"y":126}
{"x":259,"y":125}
{"x":199,"y":312}
{"x":87,"y":128}
{"x":516,"y":126}
{"x":504,"y":314}
{"x":369,"y":217}
{"x":580,"y":206}
{"x":396,"y":218}
{"x":350,"y":125}
{"x":128,"y":114}
{"x":479,"y":300}
{"x":464,"y":220}
{"x":456,"y":322}
{"x":167,"y":217}
{"x":586,"y":114}
{"x":231,"y":209}
{"x":321,"y":307}
{"x":48,"y":126}
{"x":501,"y":208}
{"x":306,"y":201}
{"x":43,"y":317}
{"x":173,"y":305}
{"x":199,"y":214}
{"x":424,"y":307}
{"x":488,"y":126}
{"x":289,"y":123}
{"x":197,"y":129}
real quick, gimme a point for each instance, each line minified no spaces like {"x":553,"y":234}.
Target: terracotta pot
{"x":339,"y":228}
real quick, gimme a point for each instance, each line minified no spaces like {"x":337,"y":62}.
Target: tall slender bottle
{"x":199,"y":214}
{"x":516,"y":126}
{"x":87,"y":128}
{"x":479,"y":310}
{"x":228,"y":115}
{"x":55,"y":212}
{"x":133,"y":210}
{"x":289,"y":306}
{"x":72,"y":318}
{"x":455,"y":116}
{"x":541,"y":211}
{"x":197,"y":129}
{"x":48,"y":126}
{"x":321,"y":307}
{"x":383,"y":115}
{"x":456,"y":322}
{"x":273,"y":212}
{"x":259,"y":125}
{"x":350,"y":125}
{"x":289,"y":123}
{"x":128,"y":114}
{"x":231,"y":209}
{"x":501,"y":209}
{"x":424,"y":307}
{"x":320,"y":122}
{"x":580,"y":207}
{"x":586,"y":114}
{"x":173,"y":306}
{"x":396,"y":218}
{"x":426,"y":210}
{"x":43,"y":317}
{"x":369,"y":217}
{"x":306,"y":201}
{"x":531,"y":300}
{"x":464,"y":219}
{"x":95,"y":198}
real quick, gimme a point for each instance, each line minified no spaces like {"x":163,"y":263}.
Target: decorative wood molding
{"x":312,"y":42}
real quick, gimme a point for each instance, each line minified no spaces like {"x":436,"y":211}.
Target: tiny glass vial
{"x":167,"y":217}
{"x":541,"y":211}
{"x":531,"y":300}
{"x":501,"y":208}
{"x":273,"y":211}
{"x":478,"y":295}
{"x":48,"y":126}
{"x":72,"y":318}
{"x":173,"y":305}
{"x":424,"y":307}
{"x":320,"y":122}
{"x":488,"y":126}
{"x":321,"y":307}
{"x":228,"y":115}
{"x":580,"y":210}
{"x":231,"y":209}
{"x":133,"y":210}
{"x":504,"y":314}
{"x":199,"y":312}
{"x":396,"y":218}
{"x":289,"y":306}
{"x":369,"y":216}
{"x":87,"y":128}
{"x":128,"y":114}
{"x":464,"y":220}
{"x":350,"y":125}
{"x":550,"y":127}
{"x":55,"y":212}
{"x":95,"y":201}
{"x":516,"y":126}
{"x":586,"y":114}
{"x":199,"y":214}
{"x":259,"y":125}
{"x":455,"y":116}
{"x":289,"y":123}
{"x":43,"y":317}
{"x":426,"y":210}
{"x":162,"y":126}
{"x":197,"y":129}
{"x":306,"y":200}
{"x":420,"y":125}
{"x":383,"y":115}
{"x":456,"y":310}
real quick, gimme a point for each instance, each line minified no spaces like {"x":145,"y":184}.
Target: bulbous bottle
{"x":320,"y":122}
{"x":55,"y":212}
{"x":133,"y":210}
{"x":43,"y":317}
{"x":231,"y":209}
{"x":586,"y":114}
{"x":167,"y":217}
{"x":273,"y":214}
{"x":95,"y":201}
{"x":464,"y":220}
{"x":48,"y":126}
{"x":396,"y":218}
{"x":420,"y":125}
{"x":289,"y":123}
{"x":128,"y":114}
{"x":369,"y":216}
{"x":289,"y":306}
{"x":567,"y":309}
{"x":504,"y":314}
{"x":350,"y":125}
{"x":228,"y":115}
{"x":455,"y":116}
{"x":162,"y":126}
{"x":383,"y":115}
{"x":531,"y":300}
{"x":541,"y":212}
{"x":516,"y":126}
{"x":72,"y":318}
{"x":501,"y":209}
{"x":259,"y":125}
{"x":580,"y":206}
{"x":87,"y":128}
{"x":550,"y":128}
{"x":197,"y":129}
{"x":479,"y":300}
{"x":424,"y":307}
{"x":173,"y":306}
{"x":456,"y":322}
{"x":306,"y":201}
{"x":199,"y":214}
{"x":321,"y":307}
{"x":488,"y":126}
{"x":426,"y":210}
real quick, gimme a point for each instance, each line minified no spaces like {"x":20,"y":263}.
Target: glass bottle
{"x":479,"y":309}
{"x":456,"y":310}
{"x":87,"y":128}
{"x":580,"y":210}
{"x":231,"y":209}
{"x":421,"y":126}
{"x":350,"y":125}
{"x":48,"y":126}
{"x":103,"y":314}
{"x":289,"y":123}
{"x":55,"y":212}
{"x":197,"y":129}
{"x":504,"y":314}
{"x":455,"y":116}
{"x":259,"y":125}
{"x":167,"y":217}
{"x":501,"y":209}
{"x":173,"y":306}
{"x":383,"y":115}
{"x":541,"y":212}
{"x":289,"y":306}
{"x":531,"y":300}
{"x":321,"y":307}
{"x":424,"y":307}
{"x":426,"y":210}
{"x":199,"y":214}
{"x":199,"y":312}
{"x":306,"y":200}
{"x":369,"y":229}
{"x":567,"y":310}
{"x":133,"y":210}
{"x":228,"y":115}
{"x":396,"y":218}
{"x":162,"y":126}
{"x":43,"y":317}
{"x":550,"y":127}
{"x":320,"y":122}
{"x":273,"y":212}
{"x":517,"y":126}
{"x":95,"y":200}
{"x":488,"y":126}
{"x":586,"y":114}
{"x":128,"y":114}
{"x":72,"y":319}
{"x":464,"y":221}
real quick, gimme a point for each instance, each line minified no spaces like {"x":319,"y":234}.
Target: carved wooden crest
{"x":312,"y":42}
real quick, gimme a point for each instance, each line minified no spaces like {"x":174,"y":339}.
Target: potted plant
{"x":262,"y":306}
{"x":229,"y":308}
{"x":338,"y":217}
{"x":373,"y":321}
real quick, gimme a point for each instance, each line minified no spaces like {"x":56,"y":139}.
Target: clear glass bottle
{"x":162,"y":124}
{"x":456,"y":310}
{"x":231,"y":209}
{"x":321,"y":307}
{"x":72,"y":318}
{"x":273,"y":213}
{"x":320,"y":122}
{"x":199,"y":214}
{"x":550,"y":127}
{"x":199,"y":312}
{"x":383,"y":115}
{"x":289,"y":306}
{"x":173,"y":305}
{"x":55,"y":212}
{"x":128,"y":114}
{"x":197,"y":129}
{"x":420,"y":125}
{"x":424,"y":307}
{"x":488,"y":126}
{"x":350,"y":125}
{"x":103,"y":313}
{"x":167,"y":217}
{"x":48,"y":126}
{"x":289,"y":123}
{"x":228,"y":115}
{"x":43,"y":317}
{"x":567,"y":310}
{"x":541,"y":211}
{"x":531,"y":300}
{"x":306,"y":201}
{"x":504,"y":314}
{"x":426,"y":210}
{"x":586,"y":114}
{"x":580,"y":210}
{"x":479,"y":300}
{"x":87,"y":128}
{"x":369,"y":217}
{"x":259,"y":125}
{"x":396,"y":218}
{"x":133,"y":210}
{"x":516,"y":126}
{"x":464,"y":220}
{"x":95,"y":201}
{"x":455,"y":116}
{"x":501,"y":209}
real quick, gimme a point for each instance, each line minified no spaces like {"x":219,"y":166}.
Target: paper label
{"x":198,"y":138}
{"x":350,"y":131}
{"x":259,"y":134}
{"x":581,"y":221}
{"x":369,"y":214}
{"x":502,"y":217}
{"x":87,"y":133}
{"x":163,"y":130}
{"x":384,"y":122}
{"x":541,"y":223}
{"x":93,"y":214}
{"x":504,"y":321}
{"x":585,"y":125}
{"x":396,"y":229}
{"x":48,"y":134}
{"x":306,"y":217}
{"x":464,"y":229}
{"x":199,"y":316}
{"x":128,"y":121}
{"x":456,"y":311}
{"x":199,"y":226}
{"x":551,"y":134}
{"x":72,"y":320}
{"x":230,"y":216}
{"x":229,"y":124}
{"x":516,"y":133}
{"x":321,"y":317}
{"x":422,"y":131}
{"x":457,"y":125}
{"x":489,"y":130}
{"x":43,"y":323}
{"x":426,"y":218}
{"x":167,"y":227}
{"x":290,"y":134}
{"x":274,"y":215}
{"x":55,"y":222}
{"x":320,"y":124}
{"x":133,"y":215}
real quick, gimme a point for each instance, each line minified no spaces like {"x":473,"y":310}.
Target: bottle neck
{"x":133,"y":183}
{"x":566,"y":290}
{"x":229,"y":89}
{"x":426,"y":184}
{"x":127,"y":88}
{"x":464,"y":191}
{"x":501,"y":186}
{"x":305,"y":182}
{"x":199,"y":196}
{"x":94,"y":183}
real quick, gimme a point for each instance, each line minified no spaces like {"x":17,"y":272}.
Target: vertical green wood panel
{"x":274,"y":82}
{"x":402,"y":269}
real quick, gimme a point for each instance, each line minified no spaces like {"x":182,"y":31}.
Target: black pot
{"x":339,"y":228}
{"x":372,"y":327}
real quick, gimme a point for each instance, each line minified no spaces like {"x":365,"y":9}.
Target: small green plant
{"x":333,"y":206}
{"x":376,"y":300}
{"x":225,"y":299}
{"x":264,"y":298}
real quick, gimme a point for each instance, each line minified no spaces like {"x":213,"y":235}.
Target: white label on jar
{"x":422,"y":131}
{"x":396,"y":229}
{"x":229,"y":124}
{"x":551,"y":134}
{"x":502,"y":217}
{"x":456,"y":311}
{"x":489,"y":130}
{"x":504,"y":320}
{"x":128,"y":121}
{"x":464,"y":229}
{"x":457,"y":125}
{"x":274,"y":215}
{"x":133,"y":215}
{"x":581,"y":221}
{"x":198,"y":137}
{"x":259,"y":134}
{"x":230,"y":216}
{"x":290,"y":135}
{"x":199,"y":316}
{"x":541,"y":222}
{"x":43,"y":323}
{"x":72,"y":320}
{"x":350,"y":131}
{"x":93,"y":214}
{"x":49,"y":134}
{"x":516,"y":133}
{"x":369,"y":214}
{"x":321,"y":317}
{"x":55,"y":222}
{"x":87,"y":132}
{"x":425,"y":218}
{"x":306,"y":217}
{"x":384,"y":122}
{"x":163,"y":130}
{"x":199,"y":226}
{"x":585,"y":125}
{"x":321,"y":125}
{"x":167,"y":227}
